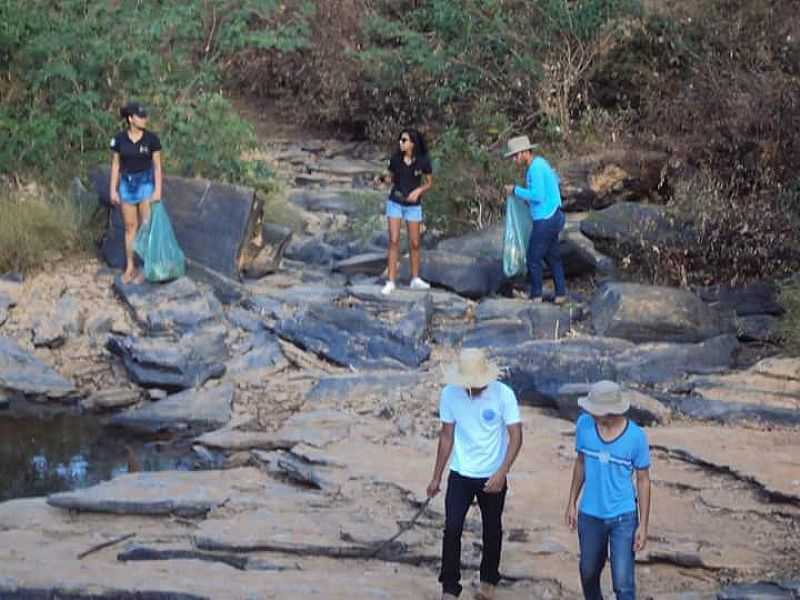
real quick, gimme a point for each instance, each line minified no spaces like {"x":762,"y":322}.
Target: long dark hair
{"x":420,"y":147}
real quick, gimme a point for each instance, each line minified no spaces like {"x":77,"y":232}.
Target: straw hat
{"x":518,"y":144}
{"x":605,"y":398}
{"x":472,"y":370}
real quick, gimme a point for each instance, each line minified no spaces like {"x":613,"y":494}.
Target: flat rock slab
{"x":764,"y":590}
{"x":537,"y":322}
{"x":379,"y":385}
{"x":370,"y":263}
{"x":212,"y":221}
{"x":467,"y":276}
{"x":347,"y":167}
{"x":263,"y":359}
{"x":111,"y":398}
{"x":175,"y":306}
{"x":173,"y":363}
{"x":316,"y":428}
{"x":768,"y":458}
{"x":351,"y":337}
{"x":445,"y":304}
{"x":186,"y":493}
{"x":22,"y":372}
{"x":198,"y":409}
{"x":305,"y":295}
{"x":643,"y":313}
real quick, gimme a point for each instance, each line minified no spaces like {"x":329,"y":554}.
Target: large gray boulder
{"x":465,"y":275}
{"x":760,"y":298}
{"x":22,"y":372}
{"x":351,"y":337}
{"x":642,"y":313}
{"x":212,"y":221}
{"x":173,"y":363}
{"x":629,"y":223}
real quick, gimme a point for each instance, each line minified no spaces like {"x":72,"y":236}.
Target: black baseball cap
{"x":133,"y":108}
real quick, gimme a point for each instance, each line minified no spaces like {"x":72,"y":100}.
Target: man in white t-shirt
{"x":481,"y":428}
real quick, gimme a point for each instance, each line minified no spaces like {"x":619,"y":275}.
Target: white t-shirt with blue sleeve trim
{"x":609,"y":467}
{"x":480,"y":434}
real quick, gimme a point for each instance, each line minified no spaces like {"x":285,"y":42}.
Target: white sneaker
{"x":388,"y":288}
{"x":419,"y":284}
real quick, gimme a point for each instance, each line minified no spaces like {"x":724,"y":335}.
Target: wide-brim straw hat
{"x":518,"y":144}
{"x":472,"y":370}
{"x":605,"y":398}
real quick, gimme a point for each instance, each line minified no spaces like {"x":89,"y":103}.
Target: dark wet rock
{"x":645,"y":410}
{"x":416,"y":323}
{"x":765,"y":590}
{"x":262,"y":359}
{"x":340,"y":202}
{"x":111,"y":398}
{"x":340,"y":388}
{"x":465,"y":275}
{"x":212,"y":221}
{"x":23,"y":372}
{"x":199,"y":409}
{"x":373,"y":263}
{"x":315,"y":251}
{"x":445,"y":304}
{"x":629,"y":223}
{"x":758,"y":328}
{"x":756,"y":299}
{"x":538,"y":369}
{"x":350,"y":337}
{"x":643,"y":313}
{"x":184,"y":493}
{"x":173,"y":363}
{"x":245,"y":319}
{"x":179,"y":305}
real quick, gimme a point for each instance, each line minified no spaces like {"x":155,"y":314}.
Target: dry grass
{"x":38,"y":226}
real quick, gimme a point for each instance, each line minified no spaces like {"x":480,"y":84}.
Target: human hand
{"x":434,"y":487}
{"x":414,"y":196}
{"x":508,"y":189}
{"x":115,"y":199}
{"x":571,"y":516}
{"x":495,"y":483}
{"x":640,"y":541}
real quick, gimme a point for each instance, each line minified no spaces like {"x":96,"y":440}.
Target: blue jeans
{"x":543,"y":245}
{"x":135,"y":187}
{"x":395,"y":210}
{"x":595,"y":536}
{"x":460,"y":493}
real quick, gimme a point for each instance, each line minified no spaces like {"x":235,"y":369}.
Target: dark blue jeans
{"x":543,"y":245}
{"x":460,"y":493}
{"x":595,"y":537}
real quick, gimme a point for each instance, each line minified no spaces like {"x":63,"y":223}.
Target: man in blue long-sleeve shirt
{"x":542,"y":193}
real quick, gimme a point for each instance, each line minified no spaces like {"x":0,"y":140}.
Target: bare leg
{"x":413,"y":246}
{"x":394,"y":248}
{"x":130,"y":219}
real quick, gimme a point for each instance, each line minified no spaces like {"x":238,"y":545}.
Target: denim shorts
{"x":135,"y":187}
{"x":401,"y":211}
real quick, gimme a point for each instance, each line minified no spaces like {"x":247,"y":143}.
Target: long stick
{"x":403,"y":528}
{"x":116,"y":540}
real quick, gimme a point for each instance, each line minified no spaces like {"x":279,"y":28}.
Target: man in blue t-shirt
{"x":611,"y":450}
{"x":481,"y":428}
{"x":542,"y":193}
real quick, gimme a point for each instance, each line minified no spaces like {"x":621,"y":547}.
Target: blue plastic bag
{"x":515,"y":239}
{"x":156,"y":245}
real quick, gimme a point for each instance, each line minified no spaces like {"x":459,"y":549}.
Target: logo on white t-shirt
{"x":488,"y":415}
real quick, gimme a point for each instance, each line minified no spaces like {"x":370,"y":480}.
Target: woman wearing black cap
{"x":135,"y":176}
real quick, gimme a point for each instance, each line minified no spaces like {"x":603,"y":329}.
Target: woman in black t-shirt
{"x":135,"y":176}
{"x":411,"y":178}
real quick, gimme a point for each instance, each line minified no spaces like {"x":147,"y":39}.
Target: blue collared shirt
{"x":541,"y":190}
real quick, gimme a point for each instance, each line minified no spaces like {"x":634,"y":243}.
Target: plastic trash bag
{"x":156,"y":245}
{"x":515,"y":239}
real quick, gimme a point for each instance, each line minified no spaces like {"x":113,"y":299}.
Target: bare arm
{"x":643,"y":487}
{"x":571,"y":513}
{"x":113,"y":187}
{"x":442,"y":455}
{"x":158,"y":175}
{"x":497,"y":482}
{"x":427,"y":183}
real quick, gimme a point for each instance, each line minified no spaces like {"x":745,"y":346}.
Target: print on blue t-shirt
{"x":608,"y":488}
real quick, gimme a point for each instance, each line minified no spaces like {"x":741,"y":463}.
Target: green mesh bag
{"x":156,"y":245}
{"x":515,"y":239}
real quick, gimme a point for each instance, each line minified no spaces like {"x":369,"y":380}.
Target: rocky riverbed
{"x":311,"y":403}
